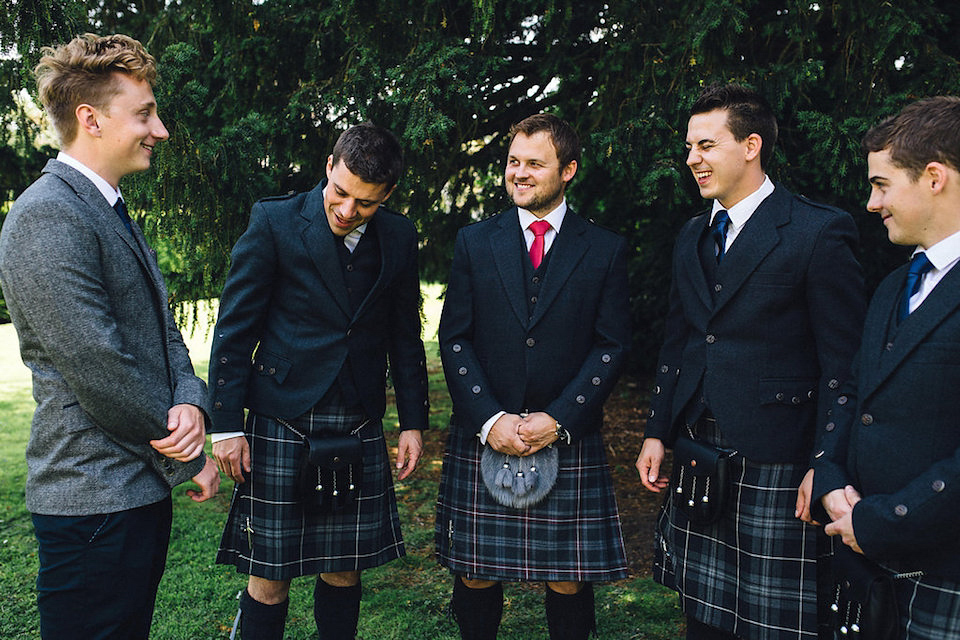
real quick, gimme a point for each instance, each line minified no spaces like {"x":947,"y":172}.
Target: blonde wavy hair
{"x":83,"y":72}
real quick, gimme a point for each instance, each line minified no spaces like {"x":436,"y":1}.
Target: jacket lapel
{"x":146,"y":255}
{"x":388,"y":258}
{"x":506,"y":245}
{"x":757,"y":239}
{"x":567,"y":251}
{"x":940,"y":304}
{"x":319,"y":242}
{"x":99,"y":209}
{"x":688,"y":260}
{"x":105,"y":215}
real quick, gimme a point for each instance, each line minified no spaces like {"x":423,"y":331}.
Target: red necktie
{"x":539,"y":228}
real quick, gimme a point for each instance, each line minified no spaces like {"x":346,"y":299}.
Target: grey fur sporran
{"x":519,"y":482}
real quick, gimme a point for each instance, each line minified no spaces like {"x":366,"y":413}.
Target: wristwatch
{"x":562,"y":434}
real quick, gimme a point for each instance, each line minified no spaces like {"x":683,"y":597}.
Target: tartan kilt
{"x":929,"y":607}
{"x":753,"y":573}
{"x":269,"y":533}
{"x":572,"y":535}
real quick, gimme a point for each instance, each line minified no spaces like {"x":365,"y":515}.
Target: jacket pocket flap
{"x":272,"y":366}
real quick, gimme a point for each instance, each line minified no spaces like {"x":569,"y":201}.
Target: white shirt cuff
{"x":485,"y":429}
{"x":217,"y":437}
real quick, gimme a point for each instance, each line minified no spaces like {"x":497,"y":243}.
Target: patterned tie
{"x":121,"y":208}
{"x":719,"y":231}
{"x":539,"y":228}
{"x":919,"y":265}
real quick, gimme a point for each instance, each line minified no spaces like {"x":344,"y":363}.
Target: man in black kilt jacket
{"x":888,"y":477}
{"x":766,"y":306}
{"x":534,"y":332}
{"x":323,"y":288}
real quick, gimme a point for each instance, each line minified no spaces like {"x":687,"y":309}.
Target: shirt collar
{"x":555,"y":217}
{"x":944,"y":253}
{"x":111,"y":194}
{"x":741,"y":212}
{"x":352,"y":239}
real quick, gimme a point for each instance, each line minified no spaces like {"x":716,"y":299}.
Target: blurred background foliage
{"x":255,"y":92}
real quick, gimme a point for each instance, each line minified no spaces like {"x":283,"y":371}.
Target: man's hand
{"x":187,"y":433}
{"x":649,"y":462}
{"x":537,"y":430}
{"x":504,"y":435}
{"x":843,"y":526}
{"x":233,"y":457}
{"x":208,"y":480}
{"x":804,"y":494}
{"x":409,"y":450}
{"x":838,"y":502}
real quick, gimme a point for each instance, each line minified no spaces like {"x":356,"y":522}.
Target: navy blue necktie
{"x":121,"y":208}
{"x":919,"y":265}
{"x":719,"y":232}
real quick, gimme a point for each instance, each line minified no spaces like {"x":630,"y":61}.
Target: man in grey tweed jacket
{"x":120,"y":416}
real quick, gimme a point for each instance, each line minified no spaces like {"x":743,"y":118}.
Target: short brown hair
{"x":747,"y":112}
{"x":565,"y":140}
{"x":81,"y":72}
{"x":371,"y":153}
{"x":925,"y":131}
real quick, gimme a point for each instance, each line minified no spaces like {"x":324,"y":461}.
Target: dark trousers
{"x":99,"y":574}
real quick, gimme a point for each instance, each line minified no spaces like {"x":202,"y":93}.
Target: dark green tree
{"x":255,"y":94}
{"x":830,"y":71}
{"x":25,"y":26}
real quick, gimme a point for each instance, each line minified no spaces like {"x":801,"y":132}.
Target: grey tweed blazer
{"x":90,"y":308}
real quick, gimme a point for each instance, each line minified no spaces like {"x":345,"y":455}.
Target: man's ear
{"x":567,"y":173}
{"x":384,"y":199}
{"x":754,"y":146}
{"x":937,"y":175}
{"x":88,"y":120}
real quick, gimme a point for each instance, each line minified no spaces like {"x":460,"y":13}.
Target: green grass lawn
{"x":405,"y":599}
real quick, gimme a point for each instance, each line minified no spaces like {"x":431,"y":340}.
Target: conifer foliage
{"x":255,"y":93}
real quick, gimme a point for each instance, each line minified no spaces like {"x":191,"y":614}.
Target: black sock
{"x":570,"y":617}
{"x":697,"y":630}
{"x":477,"y":611}
{"x":336,"y":610}
{"x":259,"y":621}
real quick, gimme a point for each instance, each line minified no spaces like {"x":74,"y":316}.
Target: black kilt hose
{"x":572,"y":535}
{"x":268,"y":532}
{"x":752,"y":573}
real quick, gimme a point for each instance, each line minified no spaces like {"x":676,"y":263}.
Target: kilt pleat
{"x":754,"y":572}
{"x":269,"y":533}
{"x":574,"y":534}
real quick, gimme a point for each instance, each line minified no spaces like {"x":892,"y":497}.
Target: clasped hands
{"x":839,"y":505}
{"x":187,"y":427}
{"x":517,"y":435}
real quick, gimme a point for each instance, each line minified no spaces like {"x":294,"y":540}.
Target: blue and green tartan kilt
{"x":928,"y":606}
{"x":270,"y":534}
{"x":572,"y":535}
{"x":754,"y":572}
